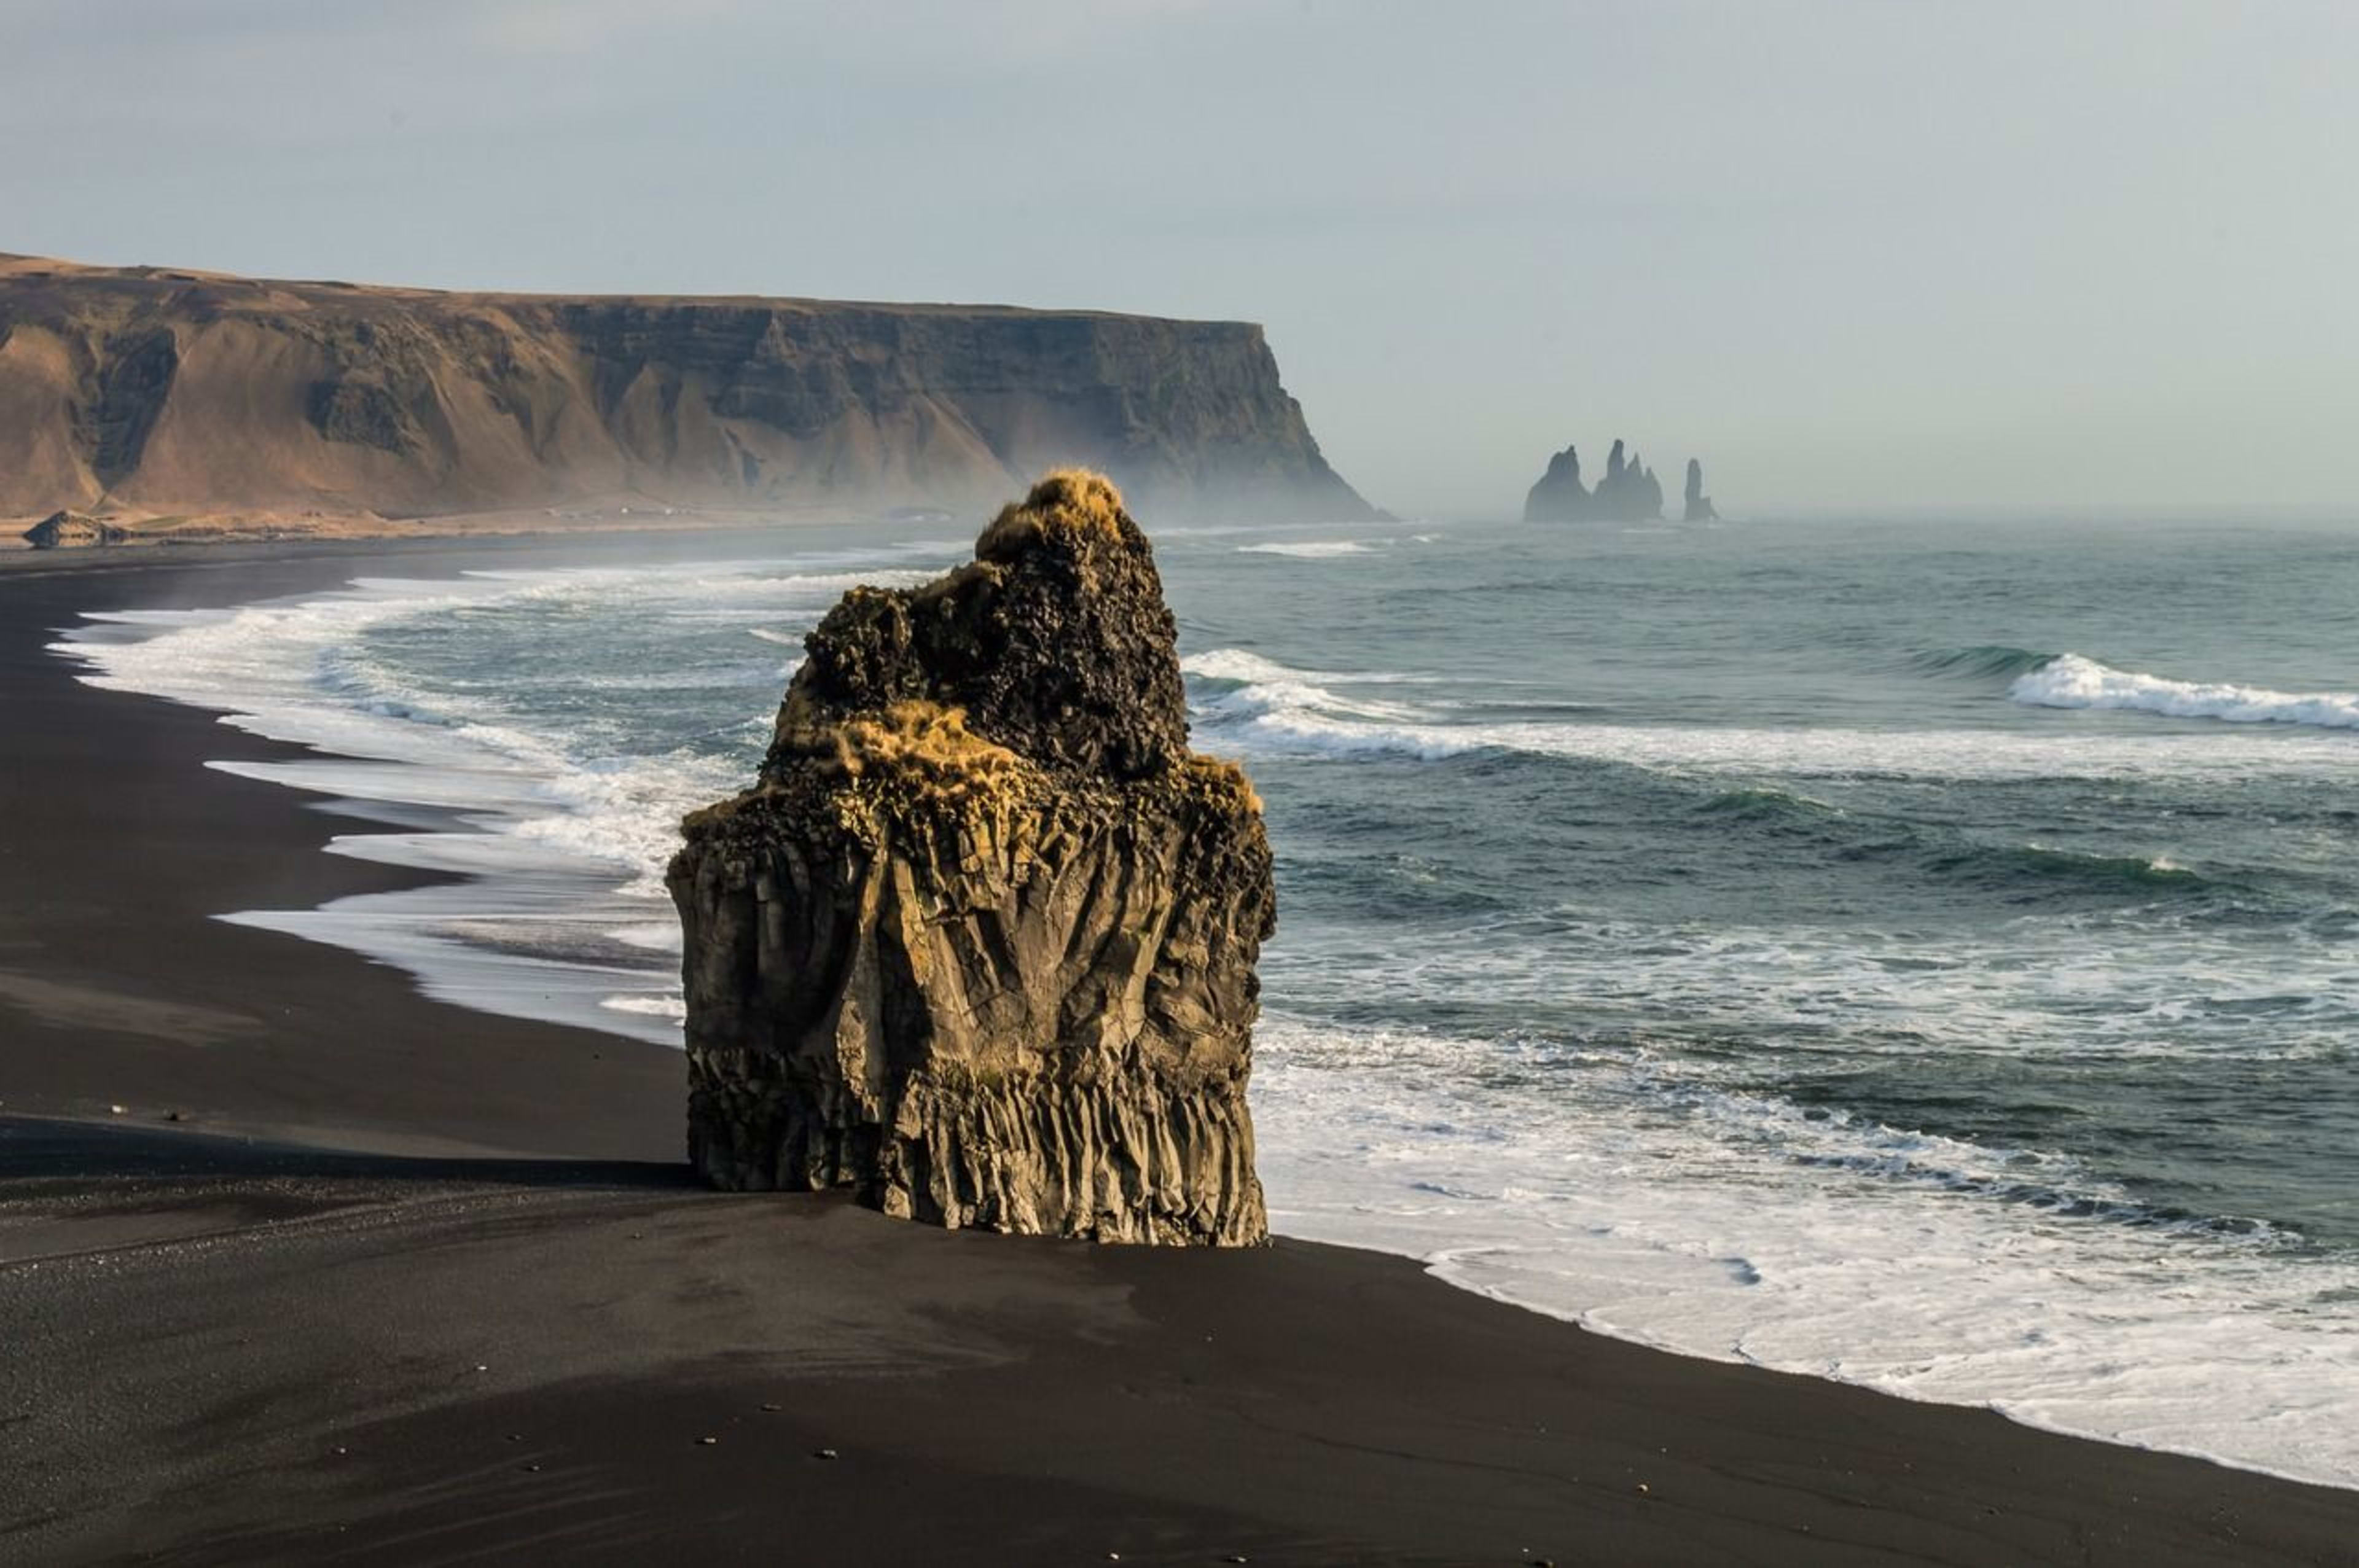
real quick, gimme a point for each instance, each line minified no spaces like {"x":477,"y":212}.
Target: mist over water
{"x":1924,"y":957}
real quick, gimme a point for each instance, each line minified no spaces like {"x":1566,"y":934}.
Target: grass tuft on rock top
{"x":1066,"y":506}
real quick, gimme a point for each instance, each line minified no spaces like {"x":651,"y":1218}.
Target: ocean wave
{"x":1775,"y":807}
{"x":1982,"y":662}
{"x":1260,"y":688}
{"x":2073,"y":680}
{"x":2037,"y":863}
{"x":1309,"y":549}
{"x":1272,"y":708}
{"x":1655,"y":1205}
{"x":1243,"y":667}
{"x":1269,"y":719}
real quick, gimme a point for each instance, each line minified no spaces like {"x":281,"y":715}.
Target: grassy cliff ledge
{"x":153,"y":393}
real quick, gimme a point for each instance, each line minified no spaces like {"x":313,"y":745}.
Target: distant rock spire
{"x":1698,"y":504}
{"x":1559,"y":496}
{"x":1628,"y":492}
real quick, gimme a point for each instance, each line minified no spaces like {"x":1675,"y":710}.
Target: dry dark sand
{"x":409,"y":1284}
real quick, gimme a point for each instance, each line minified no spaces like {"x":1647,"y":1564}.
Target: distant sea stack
{"x":1628,"y":492}
{"x":1698,"y":504}
{"x":143,"y":392}
{"x":980,"y":942}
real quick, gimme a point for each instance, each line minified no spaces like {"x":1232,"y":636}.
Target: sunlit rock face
{"x":156,"y":392}
{"x":980,"y":942}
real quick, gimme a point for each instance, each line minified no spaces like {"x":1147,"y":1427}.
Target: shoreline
{"x":1353,"y":1375}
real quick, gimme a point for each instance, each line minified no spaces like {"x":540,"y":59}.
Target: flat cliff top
{"x":145,"y":393}
{"x":22,"y":275}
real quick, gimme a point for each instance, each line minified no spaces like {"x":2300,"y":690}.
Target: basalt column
{"x":980,"y":941}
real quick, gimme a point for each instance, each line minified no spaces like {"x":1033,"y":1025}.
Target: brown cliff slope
{"x":148,"y":391}
{"x":980,"y":942}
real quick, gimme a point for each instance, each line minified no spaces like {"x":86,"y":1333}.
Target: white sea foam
{"x":655,"y":935}
{"x":1265,"y":687}
{"x":1277,"y":710}
{"x":573,"y":841}
{"x":2073,"y":680}
{"x":666,"y":1007}
{"x":1646,"y":1200}
{"x":1244,"y":666}
{"x":1309,"y":549}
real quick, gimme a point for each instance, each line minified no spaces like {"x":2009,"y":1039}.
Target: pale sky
{"x":1854,"y":255}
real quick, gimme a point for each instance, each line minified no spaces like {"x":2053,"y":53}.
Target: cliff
{"x":141,"y":392}
{"x":980,"y":941}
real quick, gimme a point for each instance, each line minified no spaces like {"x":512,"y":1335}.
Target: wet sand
{"x":406,"y":1283}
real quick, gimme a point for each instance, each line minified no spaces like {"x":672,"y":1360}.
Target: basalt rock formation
{"x":72,"y":530}
{"x":150,"y":392}
{"x":980,"y":941}
{"x":1628,"y":494}
{"x":1698,"y":505}
{"x":1559,"y":496}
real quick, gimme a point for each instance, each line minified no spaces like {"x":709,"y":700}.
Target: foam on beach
{"x":1644,"y":1199}
{"x":1646,"y":1186}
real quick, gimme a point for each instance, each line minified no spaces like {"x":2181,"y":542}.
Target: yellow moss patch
{"x":1073,"y":501}
{"x":928,"y":750}
{"x":1222,"y":778}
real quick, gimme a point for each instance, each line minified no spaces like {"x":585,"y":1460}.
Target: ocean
{"x":1921,"y":954}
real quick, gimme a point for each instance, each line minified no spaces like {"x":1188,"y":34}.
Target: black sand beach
{"x":355,"y":1276}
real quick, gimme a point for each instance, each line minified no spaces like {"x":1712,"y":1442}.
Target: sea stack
{"x":1558,"y":495}
{"x":980,"y":942}
{"x":1627,"y":493}
{"x":1698,"y":504}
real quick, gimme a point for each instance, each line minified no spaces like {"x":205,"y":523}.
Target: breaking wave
{"x":2073,"y":680}
{"x":1259,"y":705}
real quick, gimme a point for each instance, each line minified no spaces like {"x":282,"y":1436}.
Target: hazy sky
{"x":1853,"y":254}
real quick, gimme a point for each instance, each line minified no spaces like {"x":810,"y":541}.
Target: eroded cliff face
{"x":155,"y":392}
{"x":980,"y":944}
